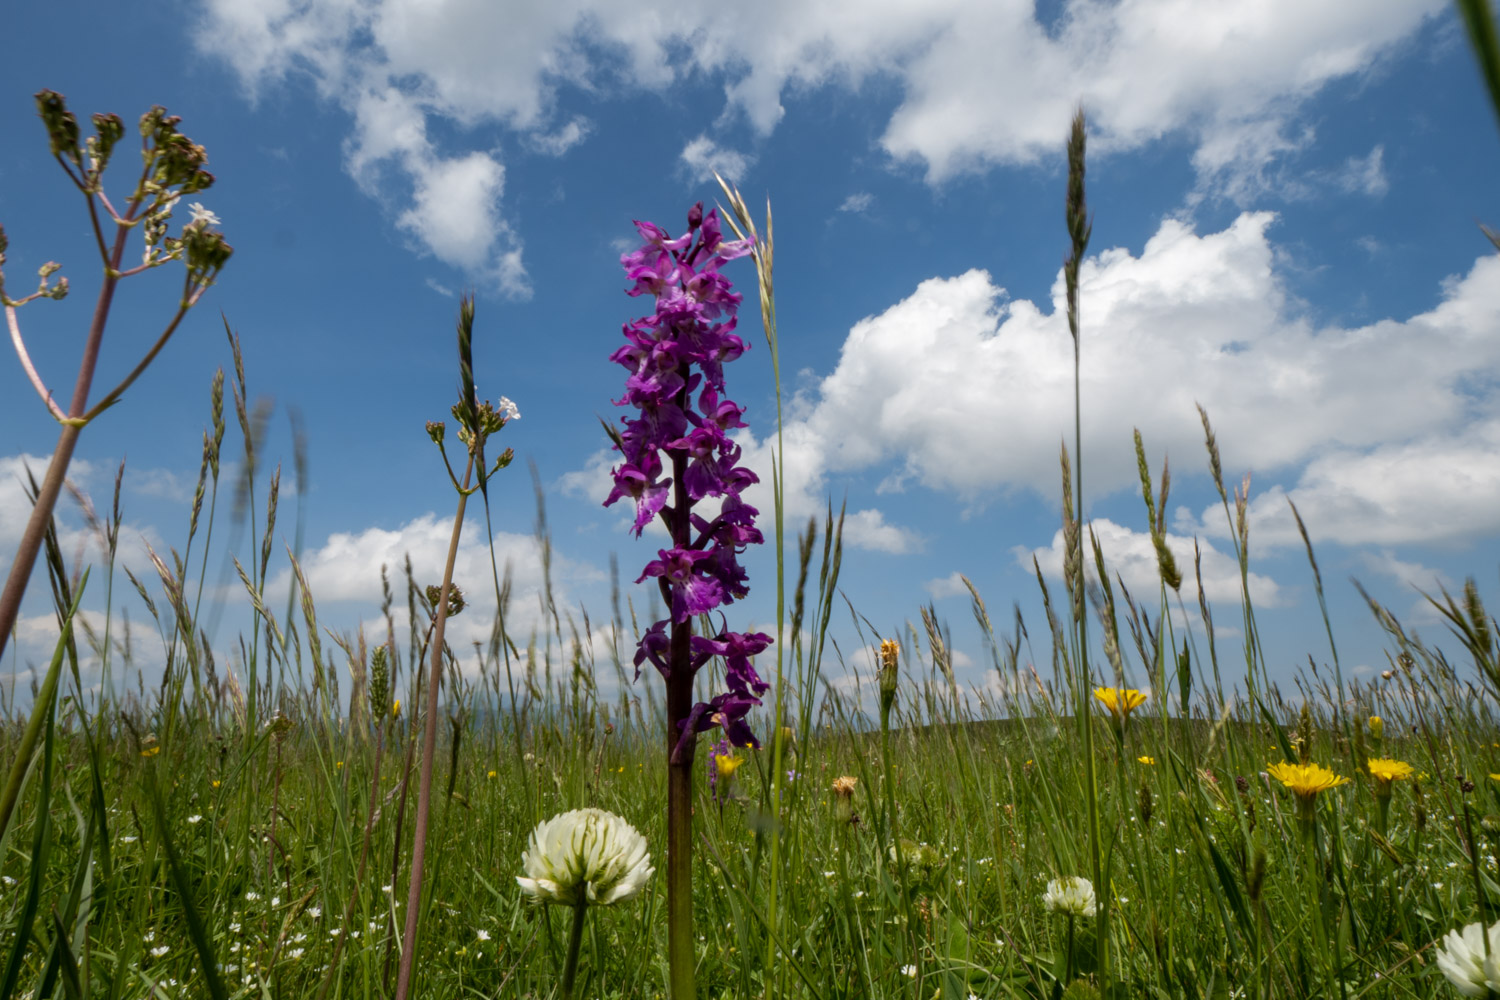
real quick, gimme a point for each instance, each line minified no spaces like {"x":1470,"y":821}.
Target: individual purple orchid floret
{"x":676,"y":452}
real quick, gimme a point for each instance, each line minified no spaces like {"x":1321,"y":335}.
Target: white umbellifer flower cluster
{"x":1461,"y":958}
{"x":590,"y":850}
{"x":507,"y":409}
{"x":1072,"y":895}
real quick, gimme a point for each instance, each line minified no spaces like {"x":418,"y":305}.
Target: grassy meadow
{"x":248,"y":828}
{"x":264,"y":816}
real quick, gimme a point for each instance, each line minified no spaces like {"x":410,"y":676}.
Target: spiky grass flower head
{"x":585,"y":856}
{"x":1071,"y":895}
{"x":1305,"y":780}
{"x":1461,"y":957}
{"x":1120,"y":701}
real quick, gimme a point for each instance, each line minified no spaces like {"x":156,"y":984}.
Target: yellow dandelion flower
{"x":1146,"y":760}
{"x":727,"y":763}
{"x":492,"y":774}
{"x":338,"y":765}
{"x":1386,"y":771}
{"x":1120,"y":701}
{"x":1306,"y":780}
{"x":216,"y":782}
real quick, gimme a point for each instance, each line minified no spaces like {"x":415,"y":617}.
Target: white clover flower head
{"x":587,"y":855}
{"x":201,"y":214}
{"x":507,"y":409}
{"x":1072,"y":895}
{"x":1460,"y":956}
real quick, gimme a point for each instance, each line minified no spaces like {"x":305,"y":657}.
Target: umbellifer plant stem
{"x":429,"y":749}
{"x":62,"y":455}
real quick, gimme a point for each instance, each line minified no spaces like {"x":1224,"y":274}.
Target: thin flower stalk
{"x":476,"y":422}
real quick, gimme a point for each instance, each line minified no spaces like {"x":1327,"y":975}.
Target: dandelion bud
{"x":843,"y":801}
{"x":1377,"y":725}
{"x":889,"y":651}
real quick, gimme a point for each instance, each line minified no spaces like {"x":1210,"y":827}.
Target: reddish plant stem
{"x":429,"y":749}
{"x":62,"y":454}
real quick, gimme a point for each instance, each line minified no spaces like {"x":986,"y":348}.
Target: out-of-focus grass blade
{"x":38,"y":854}
{"x":40,"y":707}
{"x":1479,"y":18}
{"x":72,"y":986}
{"x":184,"y":892}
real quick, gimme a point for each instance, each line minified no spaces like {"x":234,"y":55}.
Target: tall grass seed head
{"x":1071,"y":895}
{"x":586,"y":856}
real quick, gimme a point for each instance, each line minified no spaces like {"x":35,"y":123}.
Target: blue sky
{"x":1285,"y":200}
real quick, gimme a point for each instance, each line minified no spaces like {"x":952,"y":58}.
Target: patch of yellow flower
{"x":1146,"y":760}
{"x":1120,"y":701}
{"x":1386,"y":771}
{"x":1306,"y":780}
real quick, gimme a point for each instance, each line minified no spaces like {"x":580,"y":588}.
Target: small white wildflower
{"x":161,"y":950}
{"x":1072,"y":895}
{"x":195,"y":819}
{"x":586,"y":855}
{"x":129,"y":840}
{"x":294,"y":953}
{"x":385,"y":889}
{"x":909,"y":971}
{"x":315,"y":912}
{"x":201,"y":214}
{"x":1460,"y":957}
{"x":252,"y":895}
{"x":507,"y":409}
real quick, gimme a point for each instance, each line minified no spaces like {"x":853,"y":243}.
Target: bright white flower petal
{"x":1460,"y":957}
{"x":587,"y":851}
{"x":1072,"y":895}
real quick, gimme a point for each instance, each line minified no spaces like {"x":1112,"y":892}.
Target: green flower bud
{"x":61,"y":126}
